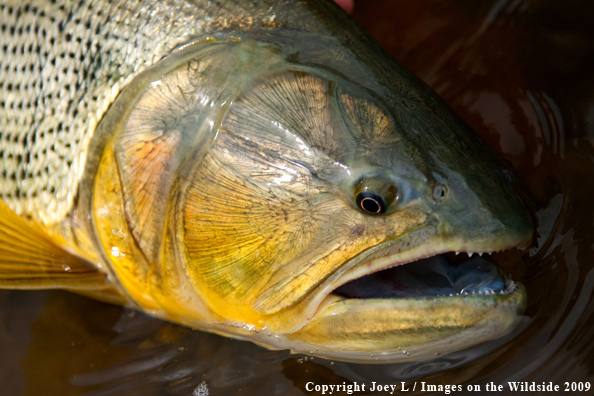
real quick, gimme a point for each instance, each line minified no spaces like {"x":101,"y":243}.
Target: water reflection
{"x":521,"y":73}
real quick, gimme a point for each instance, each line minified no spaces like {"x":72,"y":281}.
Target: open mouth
{"x":442,"y":275}
{"x":396,"y":304}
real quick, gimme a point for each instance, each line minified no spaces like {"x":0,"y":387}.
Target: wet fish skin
{"x":234,"y":98}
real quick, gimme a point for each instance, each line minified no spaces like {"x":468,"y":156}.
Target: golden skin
{"x":289,"y":231}
{"x":258,"y":231}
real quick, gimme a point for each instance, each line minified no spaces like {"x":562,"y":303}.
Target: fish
{"x":260,"y":170}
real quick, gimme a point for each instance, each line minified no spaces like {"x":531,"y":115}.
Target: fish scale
{"x":62,"y":63}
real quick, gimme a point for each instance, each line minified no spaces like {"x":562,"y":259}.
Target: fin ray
{"x":31,"y":259}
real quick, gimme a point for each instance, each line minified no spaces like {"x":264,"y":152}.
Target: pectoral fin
{"x":31,"y":259}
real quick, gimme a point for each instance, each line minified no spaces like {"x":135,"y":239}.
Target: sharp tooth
{"x":457,"y":253}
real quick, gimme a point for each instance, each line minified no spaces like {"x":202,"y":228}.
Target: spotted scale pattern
{"x":63,"y":62}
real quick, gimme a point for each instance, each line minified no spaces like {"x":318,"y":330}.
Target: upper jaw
{"x":418,"y":245}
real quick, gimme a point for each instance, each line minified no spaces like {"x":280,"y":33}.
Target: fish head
{"x":303,"y":181}
{"x":310,"y":184}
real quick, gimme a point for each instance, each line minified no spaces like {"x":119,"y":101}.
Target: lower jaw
{"x":392,"y":330}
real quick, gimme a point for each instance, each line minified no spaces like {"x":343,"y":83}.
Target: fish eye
{"x":375,"y":195}
{"x":440,"y":193}
{"x":371,"y":203}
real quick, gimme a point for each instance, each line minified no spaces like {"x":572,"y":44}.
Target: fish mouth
{"x":407,"y":268}
{"x":399,"y":304}
{"x":443,"y":275}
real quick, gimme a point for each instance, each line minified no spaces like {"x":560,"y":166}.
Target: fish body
{"x":234,"y":166}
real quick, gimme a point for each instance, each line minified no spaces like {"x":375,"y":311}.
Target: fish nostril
{"x":440,"y":193}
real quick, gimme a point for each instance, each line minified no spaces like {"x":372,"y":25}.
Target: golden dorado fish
{"x":261,"y":170}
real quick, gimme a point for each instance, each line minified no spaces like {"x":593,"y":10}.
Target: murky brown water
{"x":521,"y":73}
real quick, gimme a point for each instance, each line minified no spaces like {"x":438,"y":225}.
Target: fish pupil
{"x":371,"y":203}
